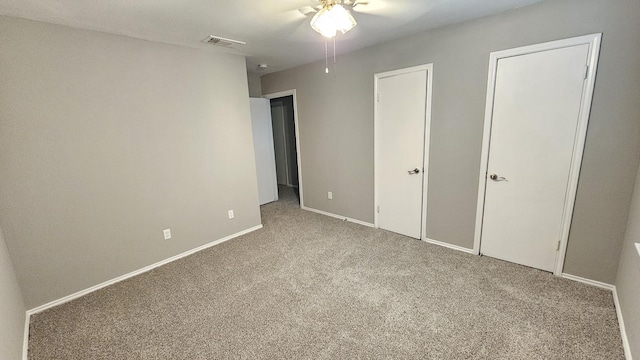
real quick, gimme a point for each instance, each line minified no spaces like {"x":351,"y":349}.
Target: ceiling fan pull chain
{"x":326,"y":57}
{"x":334,"y":55}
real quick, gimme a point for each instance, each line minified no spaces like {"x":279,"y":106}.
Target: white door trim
{"x":593,"y":41}
{"x":292,"y":92}
{"x":427,"y":126}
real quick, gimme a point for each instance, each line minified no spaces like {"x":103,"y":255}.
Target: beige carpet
{"x":310,"y":286}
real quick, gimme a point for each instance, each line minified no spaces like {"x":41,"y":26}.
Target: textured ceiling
{"x":275,"y":31}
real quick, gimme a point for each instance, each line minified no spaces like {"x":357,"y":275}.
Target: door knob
{"x":414,"y":171}
{"x":495,"y":177}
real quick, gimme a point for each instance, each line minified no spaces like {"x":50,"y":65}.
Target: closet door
{"x":399,"y":150}
{"x":537,"y":104}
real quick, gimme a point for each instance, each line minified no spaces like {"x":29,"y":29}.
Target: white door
{"x":399,"y":151}
{"x":263,"y":148}
{"x":536,"y":108}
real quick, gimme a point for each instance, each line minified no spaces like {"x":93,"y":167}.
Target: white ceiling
{"x":275,"y":31}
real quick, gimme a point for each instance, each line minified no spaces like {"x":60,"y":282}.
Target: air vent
{"x":220,"y":41}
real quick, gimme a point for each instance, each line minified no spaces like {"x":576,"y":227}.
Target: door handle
{"x":495,"y":177}
{"x":414,"y":171}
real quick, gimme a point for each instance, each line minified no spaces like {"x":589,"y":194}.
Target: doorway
{"x":538,"y":103}
{"x":286,"y":145}
{"x":401,"y":127}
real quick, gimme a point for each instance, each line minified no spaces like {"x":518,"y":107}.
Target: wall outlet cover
{"x":167,"y":234}
{"x":231,"y":215}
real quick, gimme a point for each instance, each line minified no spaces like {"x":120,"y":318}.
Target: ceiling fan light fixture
{"x":342,"y":19}
{"x":322,"y":22}
{"x":331,"y":19}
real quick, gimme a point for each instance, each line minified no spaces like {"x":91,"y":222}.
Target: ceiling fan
{"x":347,"y":4}
{"x":331,"y":16}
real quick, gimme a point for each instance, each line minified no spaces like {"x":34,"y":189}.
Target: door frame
{"x":427,"y":137}
{"x":284,"y":93}
{"x":593,"y":40}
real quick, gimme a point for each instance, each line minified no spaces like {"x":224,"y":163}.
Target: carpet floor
{"x":310,"y":286}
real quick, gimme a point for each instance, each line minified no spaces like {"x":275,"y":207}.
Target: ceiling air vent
{"x":220,"y":41}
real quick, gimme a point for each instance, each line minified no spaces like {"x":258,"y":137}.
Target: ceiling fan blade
{"x":307,"y":10}
{"x":303,"y":33}
{"x":353,"y":3}
{"x":366,"y":19}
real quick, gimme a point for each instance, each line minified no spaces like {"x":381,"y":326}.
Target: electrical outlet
{"x":167,"y":234}
{"x":330,"y":195}
{"x":231,"y":215}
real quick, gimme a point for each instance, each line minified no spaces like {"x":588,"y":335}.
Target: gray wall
{"x":336,"y":122}
{"x":107,"y":140}
{"x":12,"y":310}
{"x":255,"y":85}
{"x":628,"y":280}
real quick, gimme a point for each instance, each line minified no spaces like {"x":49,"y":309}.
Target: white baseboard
{"x":25,"y":339}
{"x":612,"y":288}
{"x":589,"y":281}
{"x":623,"y":331}
{"x":25,"y":345}
{"x":337,"y":216}
{"x":450,"y":246}
{"x":137,"y":272}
